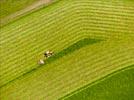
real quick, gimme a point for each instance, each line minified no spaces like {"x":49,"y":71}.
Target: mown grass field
{"x":111,"y":88}
{"x":10,"y":6}
{"x":90,"y":39}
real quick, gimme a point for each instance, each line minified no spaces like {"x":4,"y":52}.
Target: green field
{"x":8,"y":7}
{"x":115,"y":87}
{"x":90,"y":39}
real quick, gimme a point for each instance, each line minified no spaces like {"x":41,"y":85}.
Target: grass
{"x":10,"y":6}
{"x":70,"y":49}
{"x":19,"y":9}
{"x":91,"y":39}
{"x":55,"y":74}
{"x":115,"y":87}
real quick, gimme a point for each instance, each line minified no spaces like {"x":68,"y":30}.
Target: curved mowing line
{"x":92,"y":24}
{"x":19,"y":67}
{"x":113,"y":7}
{"x":49,"y":28}
{"x":70,"y":49}
{"x":87,"y":29}
{"x":96,"y":82}
{"x":21,"y":32}
{"x":96,"y":26}
{"x":79,"y":7}
{"x":21,"y":43}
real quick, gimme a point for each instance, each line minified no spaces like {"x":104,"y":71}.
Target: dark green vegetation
{"x":119,"y":86}
{"x":72,"y":48}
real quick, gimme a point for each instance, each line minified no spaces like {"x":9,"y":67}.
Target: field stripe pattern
{"x":57,"y":28}
{"x":114,"y":85}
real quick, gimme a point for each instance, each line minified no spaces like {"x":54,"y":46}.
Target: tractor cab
{"x":48,"y":54}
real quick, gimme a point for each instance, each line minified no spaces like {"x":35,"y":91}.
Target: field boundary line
{"x":97,"y":81}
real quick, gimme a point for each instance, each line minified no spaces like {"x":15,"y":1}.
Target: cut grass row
{"x":125,"y":14}
{"x":58,"y":27}
{"x":72,"y":22}
{"x":56,"y":78}
{"x":62,"y":53}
